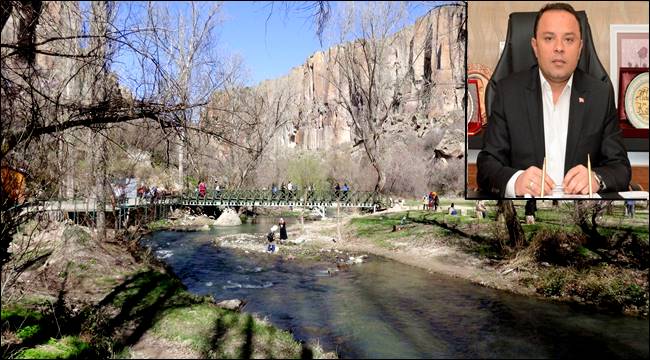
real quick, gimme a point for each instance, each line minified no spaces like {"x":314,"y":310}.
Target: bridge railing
{"x":300,"y":196}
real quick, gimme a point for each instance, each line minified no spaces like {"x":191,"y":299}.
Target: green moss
{"x":65,"y":348}
{"x":159,"y":225}
{"x":28,"y":332}
{"x":18,"y":313}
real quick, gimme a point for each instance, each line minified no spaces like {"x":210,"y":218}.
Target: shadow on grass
{"x":453,"y":228}
{"x":141,"y":299}
{"x":247,"y":348}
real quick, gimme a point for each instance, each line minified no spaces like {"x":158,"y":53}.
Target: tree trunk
{"x":515,"y":231}
{"x":181,"y":175}
{"x":100,"y":186}
{"x":101,"y":14}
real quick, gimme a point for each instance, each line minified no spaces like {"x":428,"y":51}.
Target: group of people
{"x":338,"y":190}
{"x":270,"y":237}
{"x":291,"y":189}
{"x":202,"y":189}
{"x":430,"y":201}
{"x":288,"y":189}
{"x":149,"y":193}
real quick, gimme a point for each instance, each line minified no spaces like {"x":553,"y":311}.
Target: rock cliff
{"x":423,"y":67}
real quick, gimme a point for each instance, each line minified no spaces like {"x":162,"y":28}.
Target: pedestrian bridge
{"x":265,"y":198}
{"x":316,"y":200}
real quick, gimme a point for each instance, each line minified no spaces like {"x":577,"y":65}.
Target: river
{"x":384,"y":309}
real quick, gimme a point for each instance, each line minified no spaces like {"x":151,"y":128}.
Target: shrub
{"x":552,"y":283}
{"x":557,"y":247}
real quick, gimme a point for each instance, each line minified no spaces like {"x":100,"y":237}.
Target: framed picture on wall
{"x":628,"y":48}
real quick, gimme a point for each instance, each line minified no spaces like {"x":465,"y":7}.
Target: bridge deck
{"x":259,"y":198}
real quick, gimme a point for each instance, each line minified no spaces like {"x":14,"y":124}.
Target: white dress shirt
{"x":556,"y":127}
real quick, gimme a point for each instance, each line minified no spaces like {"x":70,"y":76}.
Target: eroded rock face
{"x":423,"y":64}
{"x":452,"y":144}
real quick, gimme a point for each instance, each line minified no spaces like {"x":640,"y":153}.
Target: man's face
{"x":557,"y":45}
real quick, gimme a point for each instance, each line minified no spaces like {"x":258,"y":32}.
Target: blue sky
{"x":269,"y":39}
{"x":289,"y":40}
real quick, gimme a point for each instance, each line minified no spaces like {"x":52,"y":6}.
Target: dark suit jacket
{"x":514,"y":138}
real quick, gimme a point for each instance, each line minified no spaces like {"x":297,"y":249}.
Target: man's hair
{"x":557,"y":6}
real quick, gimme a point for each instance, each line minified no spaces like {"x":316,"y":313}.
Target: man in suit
{"x":553,"y":111}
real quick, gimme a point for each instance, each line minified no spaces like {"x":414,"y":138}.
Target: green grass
{"x":65,"y":348}
{"x":196,"y":321}
{"x":17,"y":313}
{"x":159,"y":225}
{"x":379,"y":228}
{"x":219,"y":333}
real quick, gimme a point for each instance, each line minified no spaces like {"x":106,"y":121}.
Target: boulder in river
{"x":232,"y":304}
{"x":228,"y":218}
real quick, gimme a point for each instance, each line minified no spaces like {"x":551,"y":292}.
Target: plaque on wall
{"x":636,"y":101}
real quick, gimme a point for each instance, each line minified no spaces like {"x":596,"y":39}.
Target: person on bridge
{"x":202,"y":189}
{"x":217,"y":188}
{"x":337,"y":190}
{"x":290,"y":189}
{"x":345,"y":189}
{"x":283,"y":230}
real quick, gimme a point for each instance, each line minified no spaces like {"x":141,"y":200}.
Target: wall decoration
{"x":636,"y":101}
{"x":628,"y":47}
{"x":474,"y":124}
{"x":482,"y":75}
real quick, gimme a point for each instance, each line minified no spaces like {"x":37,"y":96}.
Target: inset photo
{"x":557,"y":100}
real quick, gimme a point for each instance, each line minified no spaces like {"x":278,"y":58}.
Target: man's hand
{"x":530,"y":182}
{"x":576,"y":181}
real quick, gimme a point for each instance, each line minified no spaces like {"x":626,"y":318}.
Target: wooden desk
{"x":639,"y":176}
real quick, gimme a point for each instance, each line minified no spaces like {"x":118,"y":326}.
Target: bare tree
{"x":587,"y":215}
{"x":68,"y":74}
{"x":246,"y":120}
{"x":356,"y":69}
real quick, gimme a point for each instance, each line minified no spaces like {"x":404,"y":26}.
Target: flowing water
{"x":383,"y":309}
